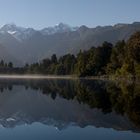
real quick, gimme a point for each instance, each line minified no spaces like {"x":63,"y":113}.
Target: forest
{"x":121,"y":59}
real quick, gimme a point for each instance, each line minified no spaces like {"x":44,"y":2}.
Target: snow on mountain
{"x":30,"y":45}
{"x":11,"y":32}
{"x":12,"y":27}
{"x":25,"y":34}
{"x":22,"y":34}
{"x":59,"y":28}
{"x":19,"y":33}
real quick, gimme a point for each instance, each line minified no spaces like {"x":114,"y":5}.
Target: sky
{"x":43,"y":13}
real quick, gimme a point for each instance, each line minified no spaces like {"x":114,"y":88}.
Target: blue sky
{"x":43,"y":13}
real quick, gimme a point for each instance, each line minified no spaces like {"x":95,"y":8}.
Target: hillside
{"x":30,"y":45}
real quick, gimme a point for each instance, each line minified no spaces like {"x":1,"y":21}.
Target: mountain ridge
{"x":28,"y":45}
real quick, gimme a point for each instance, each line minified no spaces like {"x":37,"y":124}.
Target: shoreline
{"x":65,"y":77}
{"x":36,"y":76}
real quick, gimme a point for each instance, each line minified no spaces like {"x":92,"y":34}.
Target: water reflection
{"x":64,"y":103}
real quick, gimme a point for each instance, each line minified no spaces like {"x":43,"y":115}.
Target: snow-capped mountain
{"x":59,"y":28}
{"x":20,"y":33}
{"x":27,"y":45}
{"x":12,"y":28}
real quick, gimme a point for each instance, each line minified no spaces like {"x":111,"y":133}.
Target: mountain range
{"x":21,"y":45}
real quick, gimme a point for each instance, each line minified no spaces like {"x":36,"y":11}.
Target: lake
{"x":63,"y":109}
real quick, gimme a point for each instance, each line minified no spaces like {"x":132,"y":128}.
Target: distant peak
{"x":119,"y":25}
{"x":83,"y":28}
{"x":61,"y":24}
{"x":12,"y":27}
{"x":136,"y":23}
{"x":9,"y":26}
{"x":58,"y":28}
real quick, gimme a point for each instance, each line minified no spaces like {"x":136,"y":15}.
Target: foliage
{"x":121,"y":59}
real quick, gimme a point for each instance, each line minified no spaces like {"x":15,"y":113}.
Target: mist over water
{"x":34,"y":76}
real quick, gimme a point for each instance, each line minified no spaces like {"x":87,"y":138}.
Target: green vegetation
{"x":120,"y":60}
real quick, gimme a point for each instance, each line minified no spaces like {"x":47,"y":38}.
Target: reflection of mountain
{"x":20,"y":105}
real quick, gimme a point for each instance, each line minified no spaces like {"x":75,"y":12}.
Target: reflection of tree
{"x":93,"y":94}
{"x":123,"y":98}
{"x":132,"y":101}
{"x":126,"y":100}
{"x":63,"y":88}
{"x":5,"y":87}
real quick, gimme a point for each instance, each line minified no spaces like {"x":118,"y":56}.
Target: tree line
{"x":121,"y":59}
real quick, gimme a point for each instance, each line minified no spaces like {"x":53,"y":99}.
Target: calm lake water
{"x":69,"y":110}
